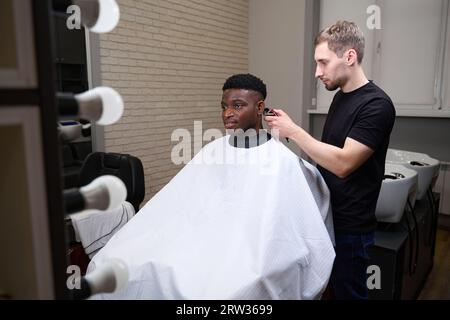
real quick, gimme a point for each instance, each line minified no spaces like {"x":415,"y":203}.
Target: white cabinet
{"x":411,"y":52}
{"x":408,"y":56}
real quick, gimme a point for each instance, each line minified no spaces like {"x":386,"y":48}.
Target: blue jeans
{"x":349,"y":275}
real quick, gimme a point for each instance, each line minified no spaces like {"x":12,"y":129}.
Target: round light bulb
{"x":110,"y":276}
{"x":117,"y":191}
{"x":115,"y":187}
{"x":121,"y":272}
{"x":112,"y":105}
{"x":103,"y":105}
{"x":108,"y":16}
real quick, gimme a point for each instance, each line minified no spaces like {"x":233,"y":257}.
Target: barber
{"x":351,"y":153}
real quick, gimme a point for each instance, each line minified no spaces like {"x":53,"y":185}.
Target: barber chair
{"x":71,"y":167}
{"x":124,"y":166}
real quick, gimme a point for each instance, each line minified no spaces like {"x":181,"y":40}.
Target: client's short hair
{"x":246,"y":81}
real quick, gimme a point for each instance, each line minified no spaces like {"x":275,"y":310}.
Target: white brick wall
{"x":169,"y":60}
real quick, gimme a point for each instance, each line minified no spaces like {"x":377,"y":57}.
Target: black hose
{"x":411,"y":209}
{"x":410,"y":245}
{"x":432,"y":216}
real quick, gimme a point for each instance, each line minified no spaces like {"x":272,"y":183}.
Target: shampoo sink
{"x":426,"y":167}
{"x":399,"y":185}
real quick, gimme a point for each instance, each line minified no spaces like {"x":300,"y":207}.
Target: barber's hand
{"x":281,"y":122}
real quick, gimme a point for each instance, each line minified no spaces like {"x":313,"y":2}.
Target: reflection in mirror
{"x":71,"y":77}
{"x":8,"y":56}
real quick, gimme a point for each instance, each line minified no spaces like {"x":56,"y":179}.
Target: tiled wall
{"x":169,"y":60}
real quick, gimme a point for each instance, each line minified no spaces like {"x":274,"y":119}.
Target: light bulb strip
{"x":73,"y":201}
{"x":67,"y":105}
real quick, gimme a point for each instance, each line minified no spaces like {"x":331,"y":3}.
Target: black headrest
{"x":124,"y":166}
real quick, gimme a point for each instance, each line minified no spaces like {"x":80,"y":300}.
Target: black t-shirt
{"x":366,"y":115}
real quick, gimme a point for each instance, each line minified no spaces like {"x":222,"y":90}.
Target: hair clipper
{"x":271,"y":112}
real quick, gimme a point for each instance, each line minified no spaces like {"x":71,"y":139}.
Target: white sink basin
{"x":427,"y":168}
{"x":399,"y":186}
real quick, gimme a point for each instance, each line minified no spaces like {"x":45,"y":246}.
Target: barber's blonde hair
{"x":341,"y":36}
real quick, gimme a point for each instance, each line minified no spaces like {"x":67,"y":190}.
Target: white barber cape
{"x":234,"y":223}
{"x":94,"y":228}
